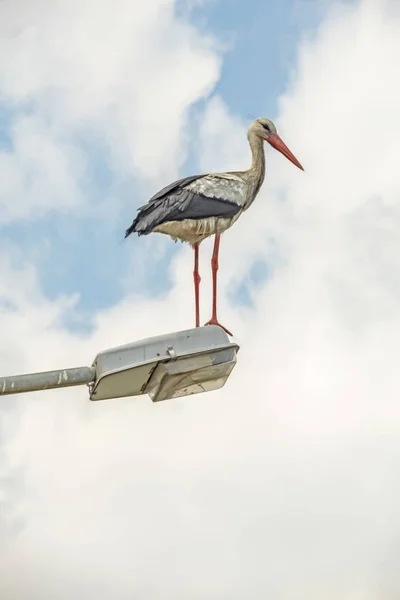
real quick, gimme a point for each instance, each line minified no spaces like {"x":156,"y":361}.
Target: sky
{"x":284,"y":483}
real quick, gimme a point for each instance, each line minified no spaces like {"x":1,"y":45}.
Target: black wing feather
{"x":175,"y":203}
{"x":172,"y":187}
{"x":198,"y":206}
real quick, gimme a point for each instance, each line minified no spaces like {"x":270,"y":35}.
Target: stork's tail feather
{"x":136,"y":227}
{"x":148,"y":217}
{"x":130,"y":229}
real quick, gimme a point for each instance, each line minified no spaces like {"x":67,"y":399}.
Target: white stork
{"x":196,"y":207}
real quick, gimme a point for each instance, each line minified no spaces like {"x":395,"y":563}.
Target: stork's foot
{"x":215,"y":322}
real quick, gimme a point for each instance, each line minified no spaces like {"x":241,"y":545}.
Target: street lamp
{"x":164,"y":367}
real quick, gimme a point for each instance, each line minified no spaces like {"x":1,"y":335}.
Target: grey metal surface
{"x":139,"y":368}
{"x":34,"y":382}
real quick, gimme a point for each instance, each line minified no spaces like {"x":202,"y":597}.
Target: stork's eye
{"x":266,"y":127}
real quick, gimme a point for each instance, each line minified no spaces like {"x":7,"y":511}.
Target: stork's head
{"x":266,"y":130}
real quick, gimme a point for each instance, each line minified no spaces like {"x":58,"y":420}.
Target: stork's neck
{"x":257,"y":170}
{"x":258,"y":156}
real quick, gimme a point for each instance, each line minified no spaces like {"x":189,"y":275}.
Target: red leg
{"x":197,"y":280}
{"x":215,"y":266}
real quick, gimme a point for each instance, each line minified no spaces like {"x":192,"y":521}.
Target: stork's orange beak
{"x":280,"y":145}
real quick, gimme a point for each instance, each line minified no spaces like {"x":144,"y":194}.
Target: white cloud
{"x":40,"y":173}
{"x":284,"y":484}
{"x":116,"y":74}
